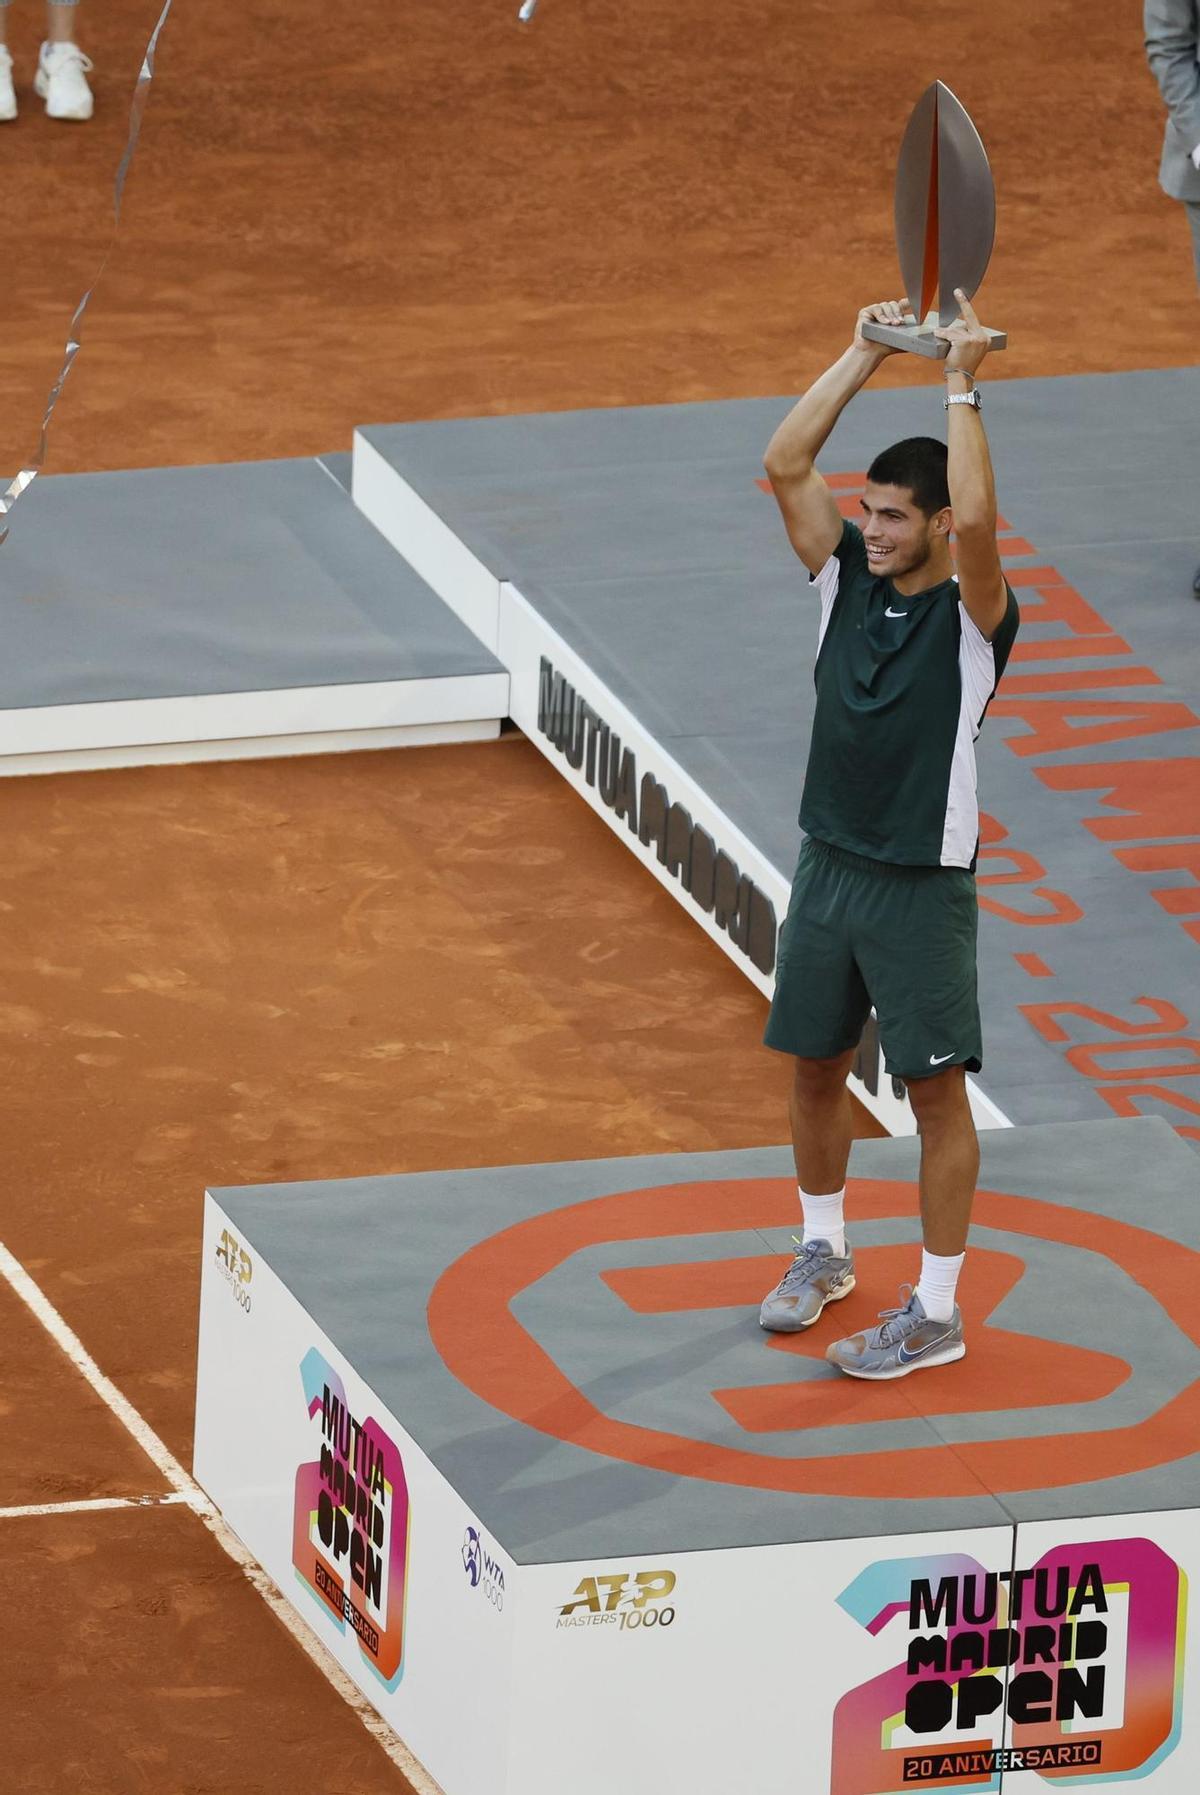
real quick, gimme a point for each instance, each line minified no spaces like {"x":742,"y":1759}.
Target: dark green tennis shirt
{"x":902,"y":688}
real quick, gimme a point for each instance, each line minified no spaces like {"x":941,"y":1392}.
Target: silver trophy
{"x":945,"y":221}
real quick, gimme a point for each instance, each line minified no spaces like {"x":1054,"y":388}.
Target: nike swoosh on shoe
{"x":909,"y":1358}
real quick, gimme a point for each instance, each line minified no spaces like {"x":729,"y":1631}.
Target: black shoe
{"x":1196,"y":584}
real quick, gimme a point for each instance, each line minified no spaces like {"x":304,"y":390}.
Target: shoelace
{"x":75,"y":59}
{"x":888,"y":1316}
{"x":801,"y":1265}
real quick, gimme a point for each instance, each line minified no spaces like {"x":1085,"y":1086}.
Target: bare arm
{"x":972,"y":484}
{"x":810,"y":514}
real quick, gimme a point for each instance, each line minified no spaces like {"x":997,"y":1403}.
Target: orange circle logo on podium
{"x":485,"y":1346}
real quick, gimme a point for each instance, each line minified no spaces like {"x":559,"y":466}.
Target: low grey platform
{"x":647,"y":563}
{"x":250,"y":608}
{"x":393,"y":1272}
{"x":514,"y":1445}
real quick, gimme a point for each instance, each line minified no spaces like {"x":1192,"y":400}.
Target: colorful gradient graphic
{"x":1140,"y":1581}
{"x":1157,"y":1595}
{"x":865,"y":1762}
{"x":352,"y":1554}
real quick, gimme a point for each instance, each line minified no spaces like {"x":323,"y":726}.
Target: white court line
{"x":91,"y":1507}
{"x":188,"y":1491}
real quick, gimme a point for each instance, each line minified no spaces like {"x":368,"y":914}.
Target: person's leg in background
{"x":8,"y":98}
{"x":62,"y":71}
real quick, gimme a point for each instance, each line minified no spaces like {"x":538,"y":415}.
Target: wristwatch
{"x":971,"y":398}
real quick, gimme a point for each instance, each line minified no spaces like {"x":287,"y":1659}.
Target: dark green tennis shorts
{"x":863,"y":932}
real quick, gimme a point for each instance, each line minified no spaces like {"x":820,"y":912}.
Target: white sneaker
{"x":61,"y":81}
{"x":8,"y":98}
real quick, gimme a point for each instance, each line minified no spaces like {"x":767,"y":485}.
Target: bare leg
{"x":949,"y":1158}
{"x":822,"y":1123}
{"x":60,"y":23}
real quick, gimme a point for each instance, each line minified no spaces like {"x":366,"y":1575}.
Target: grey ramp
{"x":528,"y":445}
{"x":545,"y":1499}
{"x":1079,"y":460}
{"x":1123,"y":933}
{"x":189,"y":581}
{"x":643,"y":538}
{"x":641,"y":534}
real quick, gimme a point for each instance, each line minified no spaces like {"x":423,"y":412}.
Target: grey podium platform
{"x":450,"y":1292}
{"x":460,"y":1416}
{"x":634,"y":558}
{"x":184,"y":613}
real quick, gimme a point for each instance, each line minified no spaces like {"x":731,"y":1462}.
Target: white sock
{"x":823,"y":1219}
{"x":938,"y":1282}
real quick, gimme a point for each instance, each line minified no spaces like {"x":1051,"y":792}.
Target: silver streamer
{"x":28,"y":475}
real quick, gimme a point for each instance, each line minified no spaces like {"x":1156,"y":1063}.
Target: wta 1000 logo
{"x":1072,"y":1668}
{"x":350,"y":1534}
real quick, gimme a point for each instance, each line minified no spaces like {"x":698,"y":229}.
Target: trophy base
{"x":918,"y":339}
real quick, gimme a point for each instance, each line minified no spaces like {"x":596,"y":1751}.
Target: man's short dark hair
{"x":918,"y":465}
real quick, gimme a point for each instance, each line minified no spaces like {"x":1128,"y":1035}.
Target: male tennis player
{"x":883,"y":907}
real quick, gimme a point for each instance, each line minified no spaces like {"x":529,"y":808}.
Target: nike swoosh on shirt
{"x":939,"y":1059}
{"x":895,"y":613}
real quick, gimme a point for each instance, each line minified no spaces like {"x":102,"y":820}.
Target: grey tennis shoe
{"x":905,"y":1340}
{"x":816,"y":1276}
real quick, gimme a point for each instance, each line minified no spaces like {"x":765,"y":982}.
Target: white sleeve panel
{"x":827,"y":582}
{"x":977,"y":682}
{"x":977,"y":667}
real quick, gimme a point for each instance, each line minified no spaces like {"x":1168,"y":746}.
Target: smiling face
{"x":902,"y":542}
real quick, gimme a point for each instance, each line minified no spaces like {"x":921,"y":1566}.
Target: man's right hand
{"x":888,"y":311}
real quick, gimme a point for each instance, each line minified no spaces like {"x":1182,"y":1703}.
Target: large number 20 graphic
{"x":1147,"y":1595}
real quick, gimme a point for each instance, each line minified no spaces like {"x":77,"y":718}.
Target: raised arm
{"x":972,"y":483}
{"x":810,"y":514}
{"x":1173,"y":52}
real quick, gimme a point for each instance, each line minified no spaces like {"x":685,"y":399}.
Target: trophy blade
{"x":966,"y":204}
{"x":917,"y":208}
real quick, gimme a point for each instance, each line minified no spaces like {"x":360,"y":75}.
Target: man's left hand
{"x":969,"y":341}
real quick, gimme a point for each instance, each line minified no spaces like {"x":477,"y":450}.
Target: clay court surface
{"x":329,"y":967}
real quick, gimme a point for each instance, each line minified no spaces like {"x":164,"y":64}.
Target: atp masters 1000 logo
{"x":237,"y":1268}
{"x":625,"y":1600}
